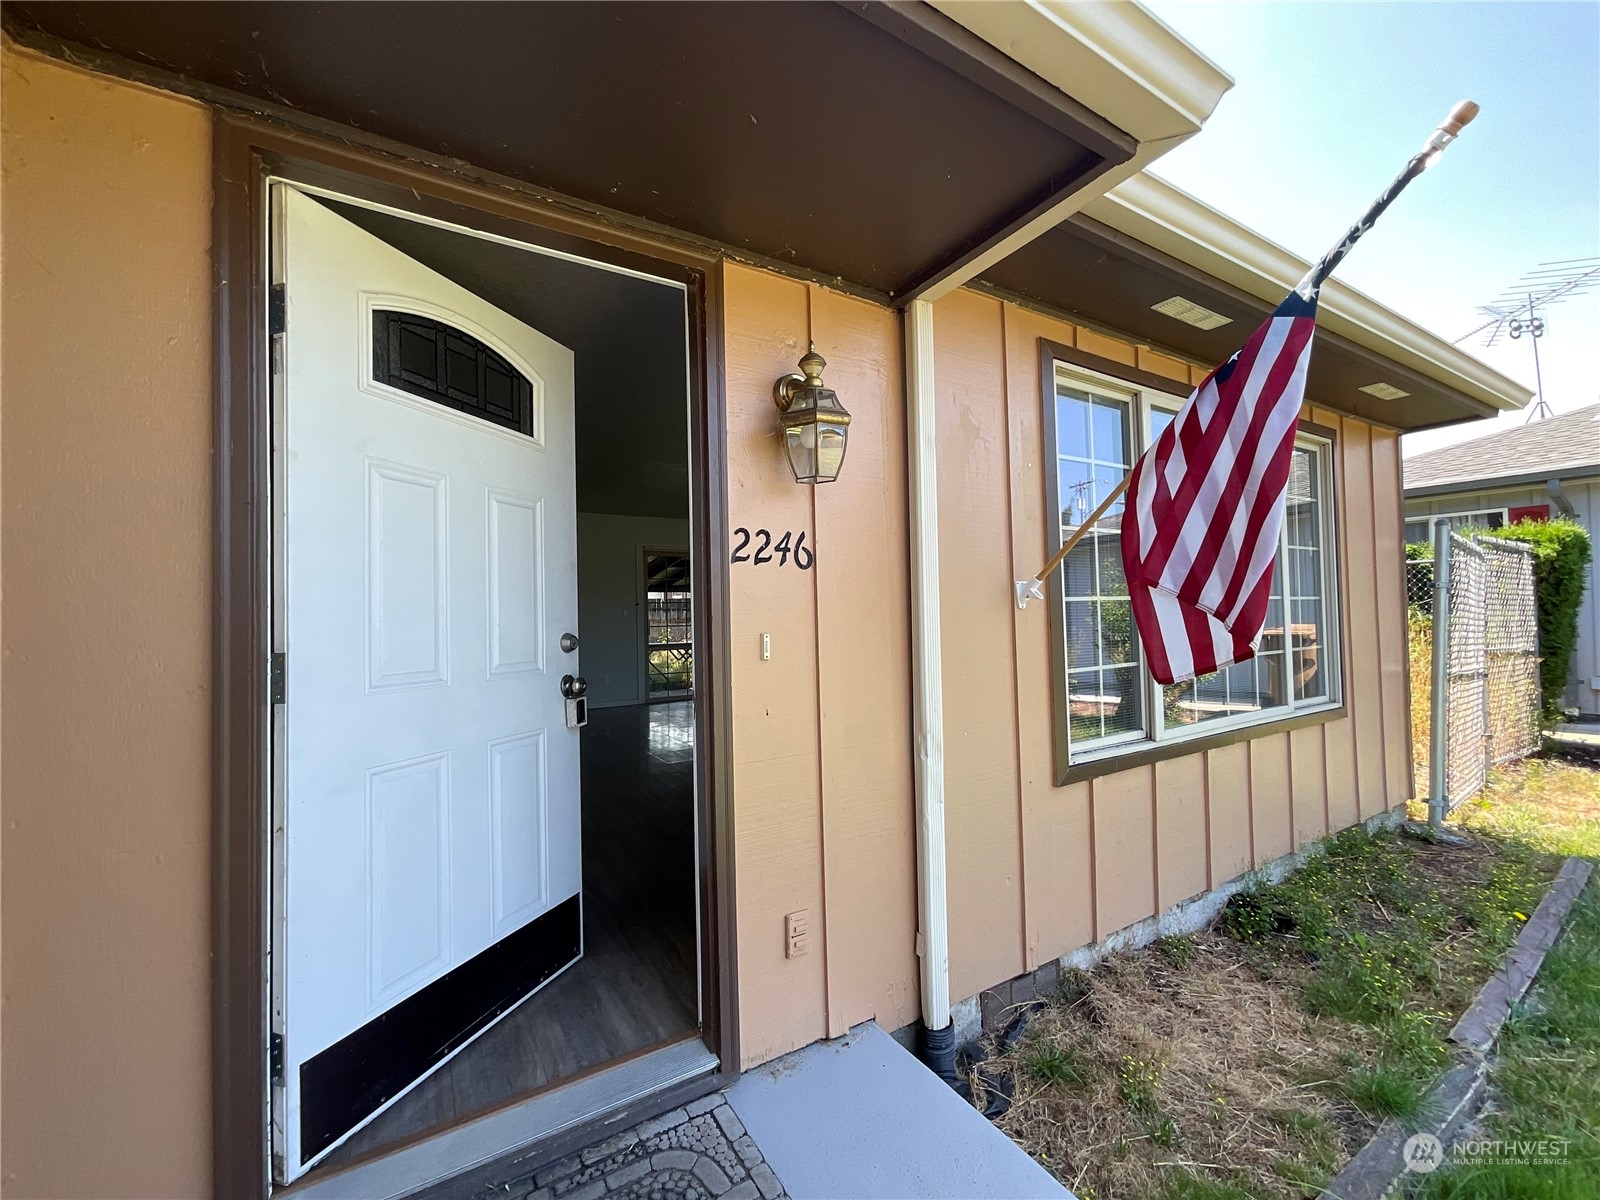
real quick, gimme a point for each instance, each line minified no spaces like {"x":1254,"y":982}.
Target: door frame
{"x":246,"y":153}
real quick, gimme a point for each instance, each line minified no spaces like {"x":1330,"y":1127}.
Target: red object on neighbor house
{"x":1528,"y":512}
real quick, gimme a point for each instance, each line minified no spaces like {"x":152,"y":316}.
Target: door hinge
{"x":275,"y":1059}
{"x":277,"y":310}
{"x":280,"y":685}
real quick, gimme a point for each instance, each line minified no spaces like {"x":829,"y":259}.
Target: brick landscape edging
{"x":1456,"y":1097}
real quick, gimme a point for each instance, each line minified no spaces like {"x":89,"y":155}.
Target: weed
{"x":1385,"y":1091}
{"x":1255,"y":915}
{"x":1299,"y":1122}
{"x":1050,"y":1063}
{"x":1188,"y":1186}
{"x":1139,"y":1078}
{"x":1074,"y":986}
{"x":1415,"y":1038}
{"x":1163,"y":1131}
{"x":1178,"y":950}
{"x":1301,"y":1174}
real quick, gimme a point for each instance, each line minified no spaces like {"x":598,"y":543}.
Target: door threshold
{"x":430,"y":1160}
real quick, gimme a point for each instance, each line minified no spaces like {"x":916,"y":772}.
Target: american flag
{"x":1206,"y":501}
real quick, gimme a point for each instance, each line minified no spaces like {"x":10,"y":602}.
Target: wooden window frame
{"x":1112,"y":758}
{"x":247,"y":152}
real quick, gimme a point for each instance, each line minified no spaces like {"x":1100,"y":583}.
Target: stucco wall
{"x":105,"y":493}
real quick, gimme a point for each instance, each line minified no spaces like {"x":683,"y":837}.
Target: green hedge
{"x":1560,"y":573}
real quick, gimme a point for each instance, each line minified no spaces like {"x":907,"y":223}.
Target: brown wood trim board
{"x":247,"y":151}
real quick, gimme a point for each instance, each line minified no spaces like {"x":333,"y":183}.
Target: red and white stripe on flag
{"x":1205,"y":504}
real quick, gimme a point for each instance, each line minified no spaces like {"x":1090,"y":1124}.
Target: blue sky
{"x":1331,"y":98}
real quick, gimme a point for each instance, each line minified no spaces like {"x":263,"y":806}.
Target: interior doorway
{"x":499,"y":896}
{"x":669,"y":625}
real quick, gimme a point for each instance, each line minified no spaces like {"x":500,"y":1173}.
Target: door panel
{"x":429,"y":790}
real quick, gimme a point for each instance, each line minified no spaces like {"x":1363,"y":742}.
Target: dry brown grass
{"x":1419,"y":651}
{"x":1252,"y":1060}
{"x":1238,"y":1062}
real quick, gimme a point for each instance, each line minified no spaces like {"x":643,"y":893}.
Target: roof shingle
{"x":1560,"y":445}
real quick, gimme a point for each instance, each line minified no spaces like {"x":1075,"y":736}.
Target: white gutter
{"x":1153,"y":211}
{"x":927,"y":671}
{"x":1120,"y":60}
{"x":1116,"y":59}
{"x":1122,"y":63}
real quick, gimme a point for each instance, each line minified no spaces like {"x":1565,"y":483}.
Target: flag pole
{"x":1309,"y":286}
{"x":1449,"y":129}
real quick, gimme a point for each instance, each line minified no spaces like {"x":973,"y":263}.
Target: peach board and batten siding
{"x":1038,"y":870}
{"x":822,"y":732}
{"x":823,"y":800}
{"x":107,"y":617}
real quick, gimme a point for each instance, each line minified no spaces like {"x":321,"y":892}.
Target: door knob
{"x":569,"y":642}
{"x":573,"y":686}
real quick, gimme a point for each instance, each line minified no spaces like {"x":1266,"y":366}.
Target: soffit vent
{"x":1191,"y":313}
{"x":1383,"y":391}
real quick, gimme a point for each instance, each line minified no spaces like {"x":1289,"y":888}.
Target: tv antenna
{"x":1520,"y":310}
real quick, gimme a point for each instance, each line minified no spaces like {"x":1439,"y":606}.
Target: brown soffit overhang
{"x":879,"y":146}
{"x":1089,"y":269}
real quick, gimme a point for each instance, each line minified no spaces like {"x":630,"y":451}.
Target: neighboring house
{"x":368,"y":373}
{"x":1544,"y":469}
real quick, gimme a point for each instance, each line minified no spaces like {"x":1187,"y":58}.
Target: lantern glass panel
{"x":830,"y":450}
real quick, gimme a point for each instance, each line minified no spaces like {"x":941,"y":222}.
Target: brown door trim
{"x":246,"y":152}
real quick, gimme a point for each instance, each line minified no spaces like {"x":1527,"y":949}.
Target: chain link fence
{"x":1475,"y":696}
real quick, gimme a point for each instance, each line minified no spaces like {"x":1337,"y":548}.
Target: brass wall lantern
{"x":815,"y":425}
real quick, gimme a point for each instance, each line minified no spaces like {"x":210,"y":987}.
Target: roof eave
{"x":1497,"y":483}
{"x":1118,"y":60}
{"x":1168,"y":218}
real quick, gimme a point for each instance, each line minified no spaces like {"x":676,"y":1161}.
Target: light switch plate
{"x":797,"y":933}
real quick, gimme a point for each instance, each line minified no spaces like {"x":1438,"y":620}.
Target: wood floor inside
{"x":635,"y":985}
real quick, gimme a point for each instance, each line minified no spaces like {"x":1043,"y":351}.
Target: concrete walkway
{"x":860,"y":1117}
{"x":857,"y":1117}
{"x":1582,"y":733}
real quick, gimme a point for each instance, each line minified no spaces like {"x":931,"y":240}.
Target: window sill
{"x":1140,"y":754}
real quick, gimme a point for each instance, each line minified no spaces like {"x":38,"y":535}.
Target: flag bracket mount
{"x":1029,"y":589}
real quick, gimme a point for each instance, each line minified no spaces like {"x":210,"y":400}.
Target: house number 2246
{"x":789,"y":545}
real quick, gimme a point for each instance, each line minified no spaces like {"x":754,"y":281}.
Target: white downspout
{"x":927,"y":675}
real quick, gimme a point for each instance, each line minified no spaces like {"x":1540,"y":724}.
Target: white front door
{"x":425,"y":539}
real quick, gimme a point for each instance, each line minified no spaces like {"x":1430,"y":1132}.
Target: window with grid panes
{"x":1112,"y":705}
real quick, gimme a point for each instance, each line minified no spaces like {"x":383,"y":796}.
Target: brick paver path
{"x":698,"y":1152}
